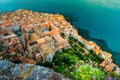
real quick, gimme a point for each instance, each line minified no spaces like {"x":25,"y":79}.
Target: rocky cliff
{"x":11,"y":71}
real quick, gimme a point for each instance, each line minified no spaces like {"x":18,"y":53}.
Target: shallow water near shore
{"x":101,"y":18}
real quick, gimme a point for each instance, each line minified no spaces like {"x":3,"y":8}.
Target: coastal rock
{"x":11,"y":71}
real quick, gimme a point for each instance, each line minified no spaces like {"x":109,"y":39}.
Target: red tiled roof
{"x":103,"y":63}
{"x":32,"y":62}
{"x":113,"y":65}
{"x":108,"y":68}
{"x":20,"y":48}
{"x":11,"y":50}
{"x":27,"y":27}
{"x":110,"y":59}
{"x":58,"y":38}
{"x":107,"y":54}
{"x":7,"y":23}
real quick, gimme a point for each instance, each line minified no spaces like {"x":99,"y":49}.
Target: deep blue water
{"x":100,"y":17}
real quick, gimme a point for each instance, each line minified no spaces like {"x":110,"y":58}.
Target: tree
{"x":62,"y":35}
{"x":82,"y":50}
{"x":17,"y":61}
{"x":7,"y":56}
{"x":80,"y":44}
{"x":0,"y":48}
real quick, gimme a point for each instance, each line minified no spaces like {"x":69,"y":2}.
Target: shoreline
{"x":103,"y":44}
{"x":53,"y":33}
{"x":85,"y":33}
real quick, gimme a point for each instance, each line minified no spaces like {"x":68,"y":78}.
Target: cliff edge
{"x":11,"y":71}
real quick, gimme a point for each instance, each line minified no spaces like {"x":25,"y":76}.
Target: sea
{"x":100,"y":17}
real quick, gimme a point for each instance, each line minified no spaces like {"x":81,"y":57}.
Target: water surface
{"x":100,"y":17}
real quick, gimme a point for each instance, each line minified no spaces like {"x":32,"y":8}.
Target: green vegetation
{"x":118,"y":76}
{"x":86,"y":72}
{"x":81,"y":44}
{"x":7,"y":56}
{"x":0,"y":48}
{"x":113,"y":75}
{"x":50,"y":29}
{"x":46,"y":64}
{"x":69,"y":61}
{"x":16,"y":61}
{"x":87,"y":56}
{"x":62,"y":35}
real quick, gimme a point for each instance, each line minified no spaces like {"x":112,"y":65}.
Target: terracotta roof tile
{"x":108,"y":68}
{"x":107,"y":54}
{"x":32,"y":62}
{"x":103,"y":63}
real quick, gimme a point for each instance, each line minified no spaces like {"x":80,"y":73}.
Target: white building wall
{"x":118,"y":71}
{"x":87,"y":47}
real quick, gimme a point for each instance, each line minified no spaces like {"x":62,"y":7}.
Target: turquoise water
{"x":100,"y":17}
